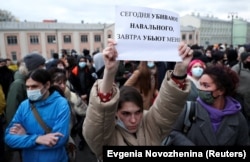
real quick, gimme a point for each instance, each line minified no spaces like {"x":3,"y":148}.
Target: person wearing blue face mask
{"x":82,"y":80}
{"x":195,"y":70}
{"x":150,"y":64}
{"x":25,"y":132}
{"x":82,"y":64}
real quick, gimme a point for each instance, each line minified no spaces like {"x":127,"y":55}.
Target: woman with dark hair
{"x":218,"y":57}
{"x":115,"y":117}
{"x":232,"y":57}
{"x":218,"y":117}
{"x":25,"y":132}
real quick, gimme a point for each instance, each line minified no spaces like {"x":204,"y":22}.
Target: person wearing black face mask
{"x":218,"y":115}
{"x":243,"y":91}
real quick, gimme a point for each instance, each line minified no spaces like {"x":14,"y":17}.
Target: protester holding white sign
{"x":115,"y":117}
{"x":147,"y":34}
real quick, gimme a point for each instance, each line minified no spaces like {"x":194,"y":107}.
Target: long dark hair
{"x":224,"y":77}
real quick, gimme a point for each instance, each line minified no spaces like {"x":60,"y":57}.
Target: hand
{"x":83,"y":97}
{"x":110,"y":55}
{"x":49,"y":139}
{"x":111,"y":66}
{"x":17,"y":129}
{"x":186,"y":53}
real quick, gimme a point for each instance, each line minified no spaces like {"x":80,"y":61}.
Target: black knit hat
{"x":244,"y":56}
{"x":2,"y":60}
{"x":33,"y":61}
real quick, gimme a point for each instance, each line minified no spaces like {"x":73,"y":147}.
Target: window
{"x":11,"y":40}
{"x":183,"y":36}
{"x":190,"y":37}
{"x":13,"y":56}
{"x":51,"y":38}
{"x":84,"y":38}
{"x":67,"y":39}
{"x":34,"y":39}
{"x":97,"y":38}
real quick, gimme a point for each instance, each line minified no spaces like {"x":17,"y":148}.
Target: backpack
{"x":189,"y":118}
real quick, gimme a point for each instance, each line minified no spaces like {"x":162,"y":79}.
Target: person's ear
{"x":47,"y":85}
{"x":221,"y":92}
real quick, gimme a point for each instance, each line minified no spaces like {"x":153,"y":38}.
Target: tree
{"x":6,"y":16}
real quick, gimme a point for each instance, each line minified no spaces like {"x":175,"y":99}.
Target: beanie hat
{"x":232,"y":55}
{"x":33,"y":61}
{"x":85,"y":52}
{"x":190,"y":65}
{"x":2,"y":60}
{"x":247,"y":47}
{"x":244,"y":56}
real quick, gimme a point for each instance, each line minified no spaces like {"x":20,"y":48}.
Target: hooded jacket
{"x":55,"y":112}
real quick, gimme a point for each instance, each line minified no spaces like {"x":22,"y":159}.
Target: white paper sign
{"x":146,"y":34}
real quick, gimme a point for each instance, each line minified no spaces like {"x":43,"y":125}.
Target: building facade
{"x":18,"y":39}
{"x":210,"y":30}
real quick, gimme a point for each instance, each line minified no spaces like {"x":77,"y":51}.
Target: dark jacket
{"x":17,"y":93}
{"x":233,"y":130}
{"x":6,"y":78}
{"x":82,"y":80}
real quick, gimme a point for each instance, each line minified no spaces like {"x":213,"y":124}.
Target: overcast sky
{"x":103,"y":11}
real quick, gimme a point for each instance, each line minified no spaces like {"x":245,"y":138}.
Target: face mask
{"x":206,"y":96}
{"x":150,"y":64}
{"x":82,"y":64}
{"x":247,"y":65}
{"x":121,"y":124}
{"x":197,"y":72}
{"x":34,"y":95}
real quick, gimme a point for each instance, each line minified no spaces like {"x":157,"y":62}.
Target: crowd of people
{"x":104,"y":101}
